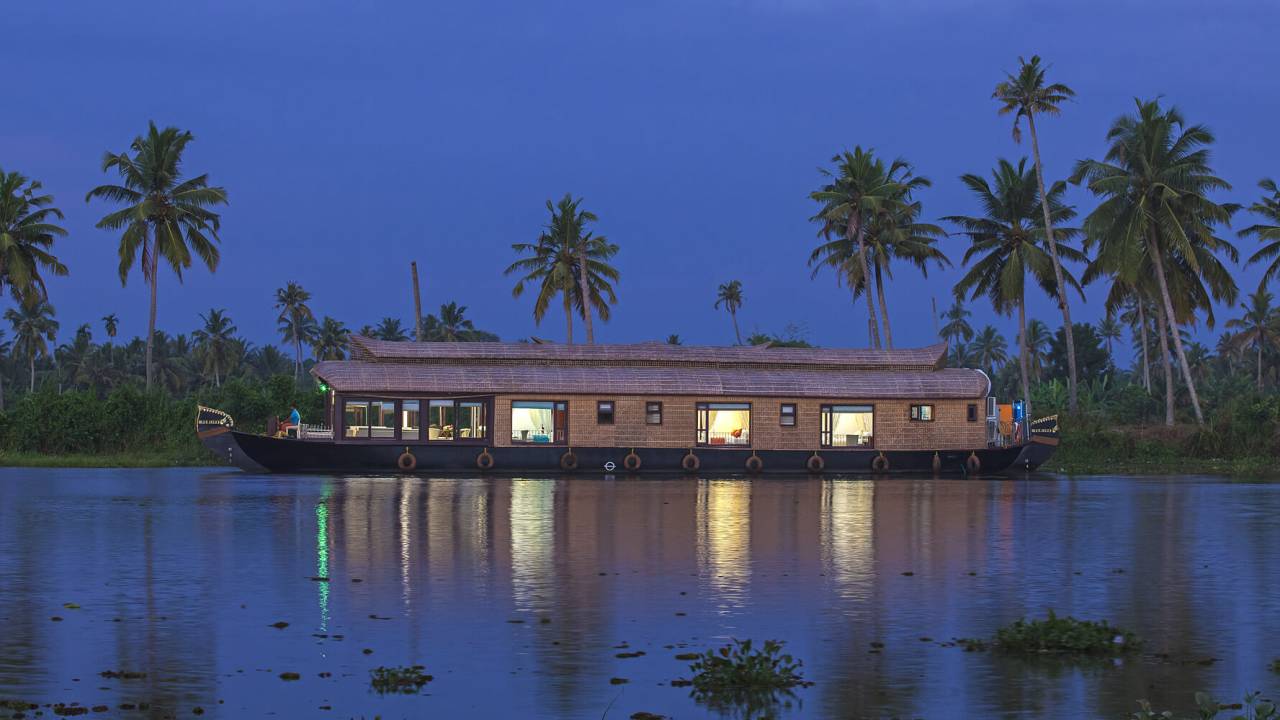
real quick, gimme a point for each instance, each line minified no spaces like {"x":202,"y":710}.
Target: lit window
{"x":922,"y":413}
{"x":724,"y":424}
{"x":653,"y":413}
{"x":440,"y":420}
{"x":538,"y":422}
{"x":848,"y":426}
{"x":409,"y":419}
{"x":472,"y":423}
{"x":604,"y":412}
{"x":787,"y":415}
{"x":355,"y":417}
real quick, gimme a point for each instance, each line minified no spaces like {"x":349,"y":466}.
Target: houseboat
{"x":648,"y":407}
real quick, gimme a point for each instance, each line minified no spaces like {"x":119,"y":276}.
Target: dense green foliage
{"x":739,"y":666}
{"x":1065,"y":635}
{"x":398,"y":680}
{"x":131,"y":420}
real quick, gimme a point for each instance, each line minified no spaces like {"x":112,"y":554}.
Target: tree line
{"x":1155,"y":240}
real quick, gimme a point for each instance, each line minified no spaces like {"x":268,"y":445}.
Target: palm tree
{"x":1008,"y":243}
{"x":959,"y":355}
{"x":674,"y":339}
{"x":267,"y":361}
{"x":331,"y":340}
{"x":957,"y":329}
{"x":34,"y":327}
{"x":568,"y":262}
{"x":111,"y":324}
{"x":388,"y":329}
{"x":729,"y":296}
{"x":1037,"y":340}
{"x":27,"y":233}
{"x":5,"y":347}
{"x":297,"y":322}
{"x":1268,"y":233}
{"x":1259,"y":327}
{"x":988,"y":350}
{"x":1027,"y":95}
{"x":453,"y":326}
{"x":1109,"y":329}
{"x":165,"y":216}
{"x":862,"y":188}
{"x":215,"y":341}
{"x":75,"y":360}
{"x":1154,"y":183}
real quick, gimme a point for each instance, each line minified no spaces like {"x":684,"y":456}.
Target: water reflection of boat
{"x":646,"y":407}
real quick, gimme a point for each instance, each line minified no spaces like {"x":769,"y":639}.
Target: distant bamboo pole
{"x":417,"y":303}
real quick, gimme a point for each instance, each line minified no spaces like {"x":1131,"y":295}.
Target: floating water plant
{"x":398,"y":680}
{"x":1254,"y":707}
{"x":1065,"y":635}
{"x":746,"y":678}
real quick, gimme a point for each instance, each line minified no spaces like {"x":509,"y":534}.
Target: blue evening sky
{"x":356,"y":136}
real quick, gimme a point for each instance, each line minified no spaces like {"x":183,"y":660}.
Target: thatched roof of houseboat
{"x":648,"y":369}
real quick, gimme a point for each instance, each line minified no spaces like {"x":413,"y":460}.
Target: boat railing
{"x":314,"y":432}
{"x":1003,"y":433}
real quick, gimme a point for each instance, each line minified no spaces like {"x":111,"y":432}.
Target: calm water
{"x":180,"y":573}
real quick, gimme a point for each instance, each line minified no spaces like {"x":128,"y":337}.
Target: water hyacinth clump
{"x":738,"y":666}
{"x":398,"y":680}
{"x":1066,"y":635}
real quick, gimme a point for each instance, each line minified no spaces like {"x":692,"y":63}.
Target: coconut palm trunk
{"x":568,"y":318}
{"x":1057,"y":269}
{"x":1024,"y":353}
{"x":1163,"y":329}
{"x":1146,"y":363}
{"x":1173,"y":326}
{"x":586,"y":293}
{"x":1,"y":390}
{"x":151,"y":313}
{"x":855,"y":231}
{"x":884,"y":309}
{"x":733,"y":315}
{"x":31,"y":363}
{"x":1259,"y":364}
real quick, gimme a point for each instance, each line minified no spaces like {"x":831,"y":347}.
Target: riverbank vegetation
{"x":1157,"y":247}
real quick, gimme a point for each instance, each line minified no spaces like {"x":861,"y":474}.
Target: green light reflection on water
{"x":322,"y":556}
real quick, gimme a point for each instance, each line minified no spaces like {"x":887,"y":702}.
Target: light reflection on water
{"x":517,"y":594}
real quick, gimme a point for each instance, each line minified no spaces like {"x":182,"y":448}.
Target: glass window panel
{"x":848,"y":426}
{"x":471,"y":421}
{"x":409,"y":420}
{"x":534,"y":422}
{"x":356,"y":419}
{"x":724,"y":424}
{"x":604,"y":412}
{"x":653,"y":413}
{"x":787,"y":416}
{"x":922,"y":413}
{"x":440,"y":420}
{"x":382,"y":417}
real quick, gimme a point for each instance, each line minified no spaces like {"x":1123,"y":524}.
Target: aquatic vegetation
{"x":1274,"y":666}
{"x":739,"y":667}
{"x":1066,"y":635}
{"x":122,"y":675}
{"x":972,"y":644}
{"x":398,"y":680}
{"x":1254,"y":707}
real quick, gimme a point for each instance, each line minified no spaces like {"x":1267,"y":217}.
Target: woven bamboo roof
{"x":650,"y":353}
{"x":648,"y":369}
{"x":390,"y":378}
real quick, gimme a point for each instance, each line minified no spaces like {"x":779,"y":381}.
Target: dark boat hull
{"x":258,"y":453}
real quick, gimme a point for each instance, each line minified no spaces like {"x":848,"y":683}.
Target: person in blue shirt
{"x":295,"y":421}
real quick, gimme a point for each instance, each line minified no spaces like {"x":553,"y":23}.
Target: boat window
{"x":355,"y":416}
{"x":724,"y":424}
{"x":604,"y":412}
{"x":922,"y":413}
{"x":382,"y":417}
{"x":409,"y":420}
{"x":653,"y":413}
{"x":787,"y":415}
{"x":972,"y":412}
{"x":440,"y":416}
{"x":848,"y":426}
{"x":538,"y":421}
{"x":472,"y":424}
